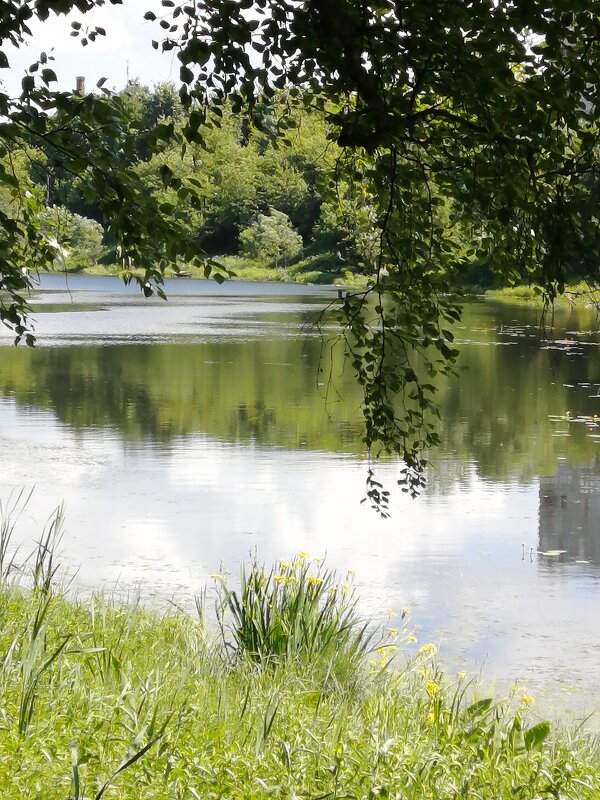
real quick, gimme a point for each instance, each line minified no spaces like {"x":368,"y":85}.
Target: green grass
{"x":576,"y":294}
{"x":309,"y":268}
{"x":313,"y":268}
{"x":102,"y":699}
{"x":248,"y":269}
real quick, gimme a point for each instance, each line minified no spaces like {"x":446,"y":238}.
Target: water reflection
{"x":256,"y":378}
{"x":183,"y":435}
{"x":264,"y":391}
{"x":569,"y":518}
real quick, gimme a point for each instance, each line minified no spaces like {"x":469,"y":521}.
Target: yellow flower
{"x":283,"y":564}
{"x":393,"y":631}
{"x":432,"y":688}
{"x":345,"y":588}
{"x":312,"y":580}
{"x":391,"y":613}
{"x":428,"y":650}
{"x":461,"y":675}
{"x":411,"y":638}
{"x":431,"y":717}
{"x":217,"y":576}
{"x":405,"y":611}
{"x":281,"y":578}
{"x":351,"y":572}
{"x":527,"y":699}
{"x":302,"y":555}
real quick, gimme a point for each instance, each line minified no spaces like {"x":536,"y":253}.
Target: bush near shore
{"x":289,"y":696}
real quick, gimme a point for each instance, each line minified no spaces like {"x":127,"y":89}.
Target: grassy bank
{"x":325,"y":268}
{"x":576,"y":294}
{"x":293,"y":698}
{"x":310,"y":267}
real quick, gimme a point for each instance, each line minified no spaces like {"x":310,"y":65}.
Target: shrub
{"x":271,"y":237}
{"x":295,"y":611}
{"x":76,"y":239}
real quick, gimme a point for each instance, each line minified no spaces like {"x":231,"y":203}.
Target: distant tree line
{"x":270,"y":191}
{"x":262,"y":191}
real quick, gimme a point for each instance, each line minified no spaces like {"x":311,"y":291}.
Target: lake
{"x":185,"y":435}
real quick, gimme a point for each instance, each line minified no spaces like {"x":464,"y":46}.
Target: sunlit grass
{"x":295,"y":611}
{"x":321,"y":268}
{"x":575,"y":294}
{"x":110,"y":700}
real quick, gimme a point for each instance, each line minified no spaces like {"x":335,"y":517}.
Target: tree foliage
{"x":461,"y":118}
{"x":272,"y":236}
{"x":77,"y":240}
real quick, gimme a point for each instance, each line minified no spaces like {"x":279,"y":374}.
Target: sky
{"x":125,"y":50}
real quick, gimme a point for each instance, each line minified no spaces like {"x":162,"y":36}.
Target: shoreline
{"x":252,"y":271}
{"x":152,"y":703}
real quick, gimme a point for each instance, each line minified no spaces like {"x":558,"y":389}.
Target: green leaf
{"x":536,"y":735}
{"x":479,"y":708}
{"x":27,"y":84}
{"x":186,"y":74}
{"x":49,"y":76}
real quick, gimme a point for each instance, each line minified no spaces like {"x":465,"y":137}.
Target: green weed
{"x":298,"y":610}
{"x":113,"y":701}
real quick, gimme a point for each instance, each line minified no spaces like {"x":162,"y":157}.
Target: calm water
{"x":185,"y":434}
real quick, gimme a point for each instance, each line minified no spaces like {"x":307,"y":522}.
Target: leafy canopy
{"x":272,"y":236}
{"x":465,"y":120}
